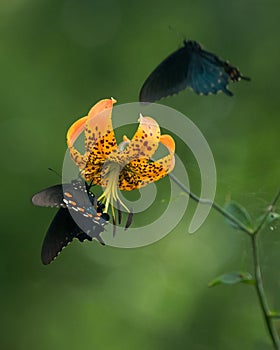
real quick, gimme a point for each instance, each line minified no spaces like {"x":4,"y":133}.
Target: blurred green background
{"x":57,"y":59}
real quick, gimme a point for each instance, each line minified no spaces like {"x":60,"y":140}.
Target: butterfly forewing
{"x":49,"y":197}
{"x":168,"y":78}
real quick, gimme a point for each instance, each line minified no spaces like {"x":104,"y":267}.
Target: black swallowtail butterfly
{"x":76,"y":203}
{"x":189,"y":66}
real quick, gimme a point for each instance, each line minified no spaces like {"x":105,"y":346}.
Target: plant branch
{"x":211,"y":203}
{"x":258,"y":277}
{"x":256,"y":260}
{"x":261,"y":294}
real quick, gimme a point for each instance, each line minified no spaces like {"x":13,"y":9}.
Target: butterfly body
{"x":189,"y":66}
{"x":77,"y":207}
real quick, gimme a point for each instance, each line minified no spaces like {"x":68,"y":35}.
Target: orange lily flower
{"x":126,"y":166}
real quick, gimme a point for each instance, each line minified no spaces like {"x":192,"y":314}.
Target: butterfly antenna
{"x":54,"y":171}
{"x":179,"y":34}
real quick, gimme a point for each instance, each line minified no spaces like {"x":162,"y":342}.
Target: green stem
{"x":211,"y":203}
{"x":256,"y":260}
{"x":261,"y":294}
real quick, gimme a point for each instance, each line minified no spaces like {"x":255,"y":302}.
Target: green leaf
{"x":232,"y":278}
{"x":240,"y":213}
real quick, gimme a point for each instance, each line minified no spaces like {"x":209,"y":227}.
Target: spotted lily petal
{"x":168,"y":162}
{"x":100,"y":139}
{"x":140,"y":172}
{"x":145,"y":141}
{"x":99,"y":133}
{"x":73,"y":133}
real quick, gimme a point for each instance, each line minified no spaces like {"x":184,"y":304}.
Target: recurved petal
{"x":75,"y":130}
{"x":77,"y":157}
{"x":145,"y":141}
{"x":72,"y":134}
{"x":139,"y":173}
{"x":99,"y":133}
{"x":167,"y":162}
{"x":168,"y":142}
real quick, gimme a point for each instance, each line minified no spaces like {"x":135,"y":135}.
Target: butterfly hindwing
{"x":207,"y":74}
{"x":61,"y":231}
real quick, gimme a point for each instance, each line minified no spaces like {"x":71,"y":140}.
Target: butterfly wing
{"x":89,"y":222}
{"x":85,"y":210}
{"x":53,"y":196}
{"x":168,"y":78}
{"x":49,"y":197}
{"x":193,"y":67}
{"x":207,"y":74}
{"x":75,"y":203}
{"x":62,"y":231}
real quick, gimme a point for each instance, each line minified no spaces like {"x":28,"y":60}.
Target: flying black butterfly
{"x":76,"y":203}
{"x":189,"y":66}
